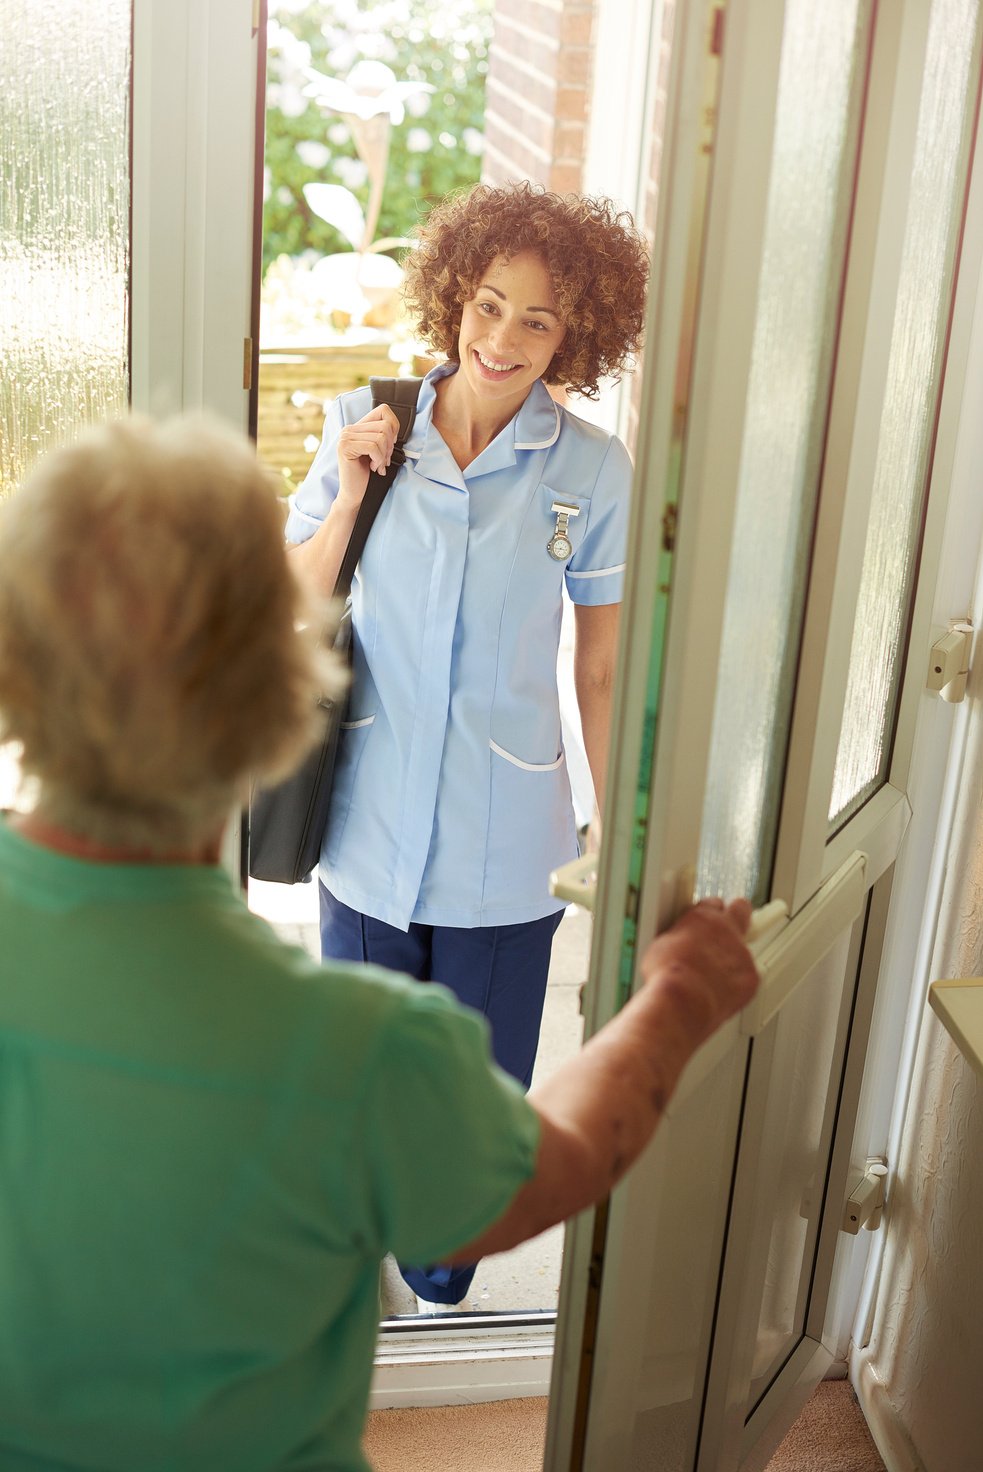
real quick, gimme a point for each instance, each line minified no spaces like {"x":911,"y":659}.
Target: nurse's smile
{"x":493,"y":369}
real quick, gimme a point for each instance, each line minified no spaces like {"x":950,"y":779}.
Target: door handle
{"x":785,"y":957}
{"x":577,"y":881}
{"x":785,"y":950}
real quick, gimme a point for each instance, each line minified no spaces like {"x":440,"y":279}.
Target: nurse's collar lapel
{"x":425,"y":450}
{"x":537,"y":424}
{"x":535,"y":427}
{"x":413,"y":447}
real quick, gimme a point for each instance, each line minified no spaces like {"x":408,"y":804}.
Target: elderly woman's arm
{"x":599,"y":1111}
{"x":594,"y":652}
{"x":363,"y":446}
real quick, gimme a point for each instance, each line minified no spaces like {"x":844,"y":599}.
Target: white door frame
{"x":194,"y":148}
{"x":194,"y":125}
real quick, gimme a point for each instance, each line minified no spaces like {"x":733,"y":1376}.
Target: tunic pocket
{"x":352,"y":740}
{"x":531,"y":829}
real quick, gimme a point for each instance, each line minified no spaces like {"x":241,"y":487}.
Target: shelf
{"x":959,"y":1006}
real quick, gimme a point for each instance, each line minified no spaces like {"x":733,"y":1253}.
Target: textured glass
{"x":814,"y":156}
{"x":64,"y":222}
{"x":803,"y":1092}
{"x":906,"y":431}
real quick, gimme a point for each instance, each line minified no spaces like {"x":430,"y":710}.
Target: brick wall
{"x":538,"y":92}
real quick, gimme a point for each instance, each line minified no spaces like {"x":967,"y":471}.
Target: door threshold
{"x":462,"y":1359}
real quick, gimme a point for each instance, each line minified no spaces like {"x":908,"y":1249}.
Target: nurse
{"x":451,"y":802}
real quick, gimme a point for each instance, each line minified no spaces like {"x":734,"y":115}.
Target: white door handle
{"x":577,"y":881}
{"x":785,"y":958}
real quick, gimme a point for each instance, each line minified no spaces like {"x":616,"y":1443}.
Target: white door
{"x":803,"y":373}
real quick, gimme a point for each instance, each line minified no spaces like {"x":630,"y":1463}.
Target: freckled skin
{"x":599,"y":1111}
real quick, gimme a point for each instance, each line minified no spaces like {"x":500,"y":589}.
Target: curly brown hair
{"x":596,"y":259}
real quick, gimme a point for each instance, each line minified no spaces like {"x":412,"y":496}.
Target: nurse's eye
{"x":489,"y":309}
{"x":539,"y":326}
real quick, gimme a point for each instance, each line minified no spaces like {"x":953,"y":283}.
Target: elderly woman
{"x":451,"y":802}
{"x":206,"y":1138}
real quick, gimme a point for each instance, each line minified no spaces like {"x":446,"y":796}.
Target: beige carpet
{"x":830,"y":1435}
{"x":496,"y":1436}
{"x":508,"y":1436}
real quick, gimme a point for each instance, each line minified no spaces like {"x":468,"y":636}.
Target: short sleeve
{"x":596,"y":571}
{"x":451,"y":1138}
{"x":310,"y":504}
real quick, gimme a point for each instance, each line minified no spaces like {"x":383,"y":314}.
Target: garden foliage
{"x":434,"y":149}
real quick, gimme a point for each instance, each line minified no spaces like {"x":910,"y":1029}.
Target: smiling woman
{"x":451,"y":803}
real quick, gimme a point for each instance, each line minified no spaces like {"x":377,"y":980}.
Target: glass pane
{"x":907,"y":425}
{"x":823,"y":65}
{"x":803,"y":1091}
{"x":64,"y":221}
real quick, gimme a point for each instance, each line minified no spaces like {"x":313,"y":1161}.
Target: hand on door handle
{"x":765,"y":924}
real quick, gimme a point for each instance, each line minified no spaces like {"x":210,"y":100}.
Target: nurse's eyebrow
{"x":501,"y":295}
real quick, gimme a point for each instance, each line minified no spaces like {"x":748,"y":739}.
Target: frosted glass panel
{"x":820,"y":86}
{"x":908,"y":417}
{"x":64,"y":221}
{"x":803,"y":1092}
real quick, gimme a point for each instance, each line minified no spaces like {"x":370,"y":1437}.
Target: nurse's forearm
{"x":317,"y":561}
{"x":594,"y":657}
{"x":599,"y":1111}
{"x":594,"y":700}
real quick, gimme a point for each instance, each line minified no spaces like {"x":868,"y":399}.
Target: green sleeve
{"x":449,"y":1138}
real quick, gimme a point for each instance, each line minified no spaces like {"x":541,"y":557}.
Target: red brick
{"x":577,"y":26}
{"x":573,"y":66}
{"x":571,"y":104}
{"x":566,"y":178}
{"x":518,"y":106}
{"x":569,"y":140}
{"x":513,"y":41}
{"x":543,"y":18}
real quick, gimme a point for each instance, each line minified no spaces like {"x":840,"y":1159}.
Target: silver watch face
{"x":559,"y":547}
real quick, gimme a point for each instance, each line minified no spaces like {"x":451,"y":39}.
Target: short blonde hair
{"x":150,"y":653}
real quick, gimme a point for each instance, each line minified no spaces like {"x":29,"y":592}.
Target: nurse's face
{"x":509,"y":330}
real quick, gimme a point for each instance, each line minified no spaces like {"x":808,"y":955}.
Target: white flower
{"x":370,"y":89}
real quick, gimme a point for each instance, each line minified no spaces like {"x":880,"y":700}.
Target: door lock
{"x":864,"y":1207}
{"x":948,"y":665}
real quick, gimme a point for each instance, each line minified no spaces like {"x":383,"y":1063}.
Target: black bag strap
{"x":401,"y":395}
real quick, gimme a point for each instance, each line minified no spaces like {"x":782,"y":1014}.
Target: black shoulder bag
{"x":287,"y":821}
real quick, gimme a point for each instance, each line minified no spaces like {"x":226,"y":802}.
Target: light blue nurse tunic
{"x":451,"y":802}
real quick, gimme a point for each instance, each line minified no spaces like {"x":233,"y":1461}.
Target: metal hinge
{"x":864,"y":1207}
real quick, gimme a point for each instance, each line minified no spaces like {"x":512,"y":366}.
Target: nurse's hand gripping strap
{"x":401,"y":395}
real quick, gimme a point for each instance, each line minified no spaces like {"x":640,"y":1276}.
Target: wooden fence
{"x":295,"y":385}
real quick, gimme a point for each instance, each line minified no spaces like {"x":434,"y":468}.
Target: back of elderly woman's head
{"x":149,"y":654}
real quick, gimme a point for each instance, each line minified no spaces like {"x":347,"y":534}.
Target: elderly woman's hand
{"x":364,"y":446}
{"x":704,"y":966}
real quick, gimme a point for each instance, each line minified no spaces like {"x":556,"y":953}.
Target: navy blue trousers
{"x":499,"y":970}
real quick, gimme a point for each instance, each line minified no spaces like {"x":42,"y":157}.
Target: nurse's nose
{"x":502,"y":339}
